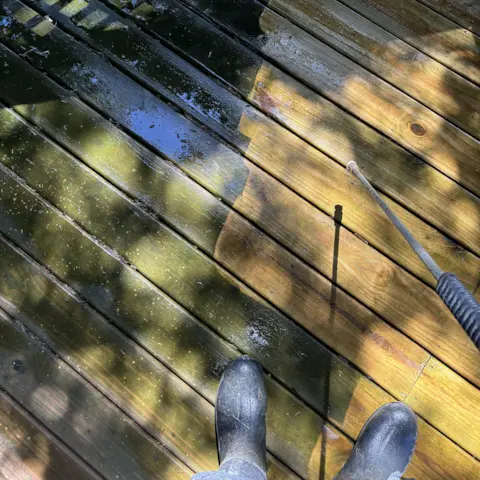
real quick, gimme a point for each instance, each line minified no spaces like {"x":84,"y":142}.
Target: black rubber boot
{"x":240,"y":416}
{"x":384,"y":447}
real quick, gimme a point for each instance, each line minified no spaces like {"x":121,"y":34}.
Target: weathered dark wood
{"x":164,"y":405}
{"x":29,"y":451}
{"x":363,"y":94}
{"x":403,"y":66}
{"x":92,"y":426}
{"x":249,"y":200}
{"x":464,"y":12}
{"x":426,"y":30}
{"x":352,"y":419}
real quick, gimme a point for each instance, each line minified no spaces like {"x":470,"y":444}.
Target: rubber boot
{"x":240,"y":418}
{"x":384,"y":447}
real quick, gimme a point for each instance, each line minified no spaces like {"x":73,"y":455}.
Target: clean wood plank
{"x":403,"y":66}
{"x":258,"y":187}
{"x":29,"y":451}
{"x":464,"y":12}
{"x":353,"y":420}
{"x":299,"y":108}
{"x":460,"y":400}
{"x":436,"y":456}
{"x":363,"y":94}
{"x":152,"y":395}
{"x":426,"y":30}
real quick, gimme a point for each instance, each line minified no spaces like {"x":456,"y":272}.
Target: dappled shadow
{"x":155,"y":282}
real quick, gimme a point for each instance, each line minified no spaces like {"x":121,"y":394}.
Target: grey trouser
{"x":235,"y":469}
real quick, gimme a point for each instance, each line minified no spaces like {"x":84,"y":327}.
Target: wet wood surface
{"x":29,"y":451}
{"x":257,"y":187}
{"x":363,"y":94}
{"x":172,"y":198}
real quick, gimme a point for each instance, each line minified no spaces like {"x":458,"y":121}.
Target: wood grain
{"x":464,"y":12}
{"x":380,"y":105}
{"x":459,"y":398}
{"x":257,"y":188}
{"x":315,"y":119}
{"x":29,"y":451}
{"x":426,"y":30}
{"x":403,"y":66}
{"x":165,"y":406}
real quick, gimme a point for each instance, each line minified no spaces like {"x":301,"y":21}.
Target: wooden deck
{"x":173,"y":194}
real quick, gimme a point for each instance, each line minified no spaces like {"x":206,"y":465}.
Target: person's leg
{"x":240,"y":423}
{"x":384,"y":447}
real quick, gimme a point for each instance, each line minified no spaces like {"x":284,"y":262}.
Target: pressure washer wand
{"x":453,"y":293}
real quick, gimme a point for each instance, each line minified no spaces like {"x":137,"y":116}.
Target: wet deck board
{"x":202,"y":246}
{"x":29,"y":451}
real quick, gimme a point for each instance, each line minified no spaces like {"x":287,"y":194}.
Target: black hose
{"x":462,"y":304}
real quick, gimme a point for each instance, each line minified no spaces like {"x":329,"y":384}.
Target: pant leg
{"x":235,"y":469}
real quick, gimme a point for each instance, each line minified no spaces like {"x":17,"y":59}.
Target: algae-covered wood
{"x":29,"y":451}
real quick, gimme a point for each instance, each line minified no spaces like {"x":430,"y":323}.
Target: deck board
{"x":437,"y":87}
{"x":169,"y":173}
{"x":425,"y":29}
{"x":465,"y":13}
{"x":448,"y":351}
{"x":365,"y":95}
{"x":29,"y":451}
